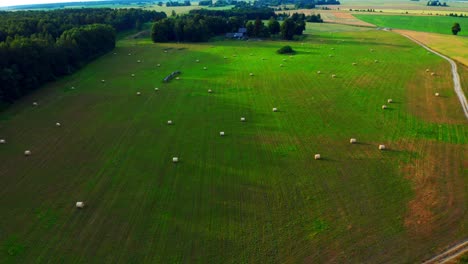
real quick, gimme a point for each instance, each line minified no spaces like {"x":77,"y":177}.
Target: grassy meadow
{"x":255,"y":195}
{"x":434,"y":24}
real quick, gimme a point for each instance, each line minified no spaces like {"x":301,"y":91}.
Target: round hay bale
{"x":353,"y":141}
{"x":103,"y":81}
{"x":133,"y":75}
{"x":332,"y":48}
{"x":175,"y":159}
{"x":372,"y":50}
{"x":139,"y":61}
{"x":177,"y":78}
{"x":354,"y":64}
{"x":158,"y":65}
{"x":427,"y":70}
{"x":251,"y":74}
{"x":35,"y":103}
{"x":73,"y":88}
{"x":290,"y":57}
{"x":251,"y":54}
{"x":284,"y":59}
{"x":197,"y":61}
{"x":58,"y":124}
{"x":221,"y":133}
{"x":138,"y":93}
{"x":2,"y":141}
{"x":317,"y":156}
{"x":129,"y":54}
{"x":165,"y":51}
{"x":242,"y":119}
{"x":384,"y":106}
{"x":226,"y":57}
{"x":156,"y":89}
{"x":437,"y":94}
{"x":204,"y":68}
{"x":376,"y":61}
{"x":80,"y":205}
{"x":333,"y":75}
{"x":390,"y":101}
{"x":433,"y":74}
{"x":169,"y":122}
{"x":319,"y":72}
{"x":275,"y":109}
{"x":281,"y":65}
{"x":115,"y":53}
{"x":263,"y":58}
{"x":382,"y":147}
{"x":330,"y":55}
{"x":210,"y":91}
{"x":27,"y":153}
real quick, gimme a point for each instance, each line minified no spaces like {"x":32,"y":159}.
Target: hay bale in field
{"x":317,"y":156}
{"x":427,"y":70}
{"x":251,"y":74}
{"x":221,"y":133}
{"x":175,"y":159}
{"x":281,"y":65}
{"x":226,"y":57}
{"x":103,"y":81}
{"x":210,"y":91}
{"x":376,"y":61}
{"x":354,"y":64}
{"x":80,"y":205}
{"x":319,"y":72}
{"x":35,"y":104}
{"x":129,"y":54}
{"x":284,"y":59}
{"x":197,"y":61}
{"x":437,"y":94}
{"x":352,"y":140}
{"x":177,"y":78}
{"x":242,"y":119}
{"x":58,"y":124}
{"x":165,"y":51}
{"x":139,"y":61}
{"x":156,"y":89}
{"x":390,"y":101}
{"x":275,"y":109}
{"x":158,"y":65}
{"x":234,"y":55}
{"x":169,"y":122}
{"x":372,"y":50}
{"x":138,"y":93}
{"x":27,"y":153}
{"x":2,"y":141}
{"x":133,"y":75}
{"x":332,"y":48}
{"x":73,"y":88}
{"x":204,"y":68}
{"x":382,"y":147}
{"x":330,"y":55}
{"x":251,"y":54}
{"x":333,"y":75}
{"x":115,"y":53}
{"x":290,"y":57}
{"x":384,"y":106}
{"x":433,"y":74}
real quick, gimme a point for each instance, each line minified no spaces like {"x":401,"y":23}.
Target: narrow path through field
{"x":451,"y":253}
{"x":456,"y":77}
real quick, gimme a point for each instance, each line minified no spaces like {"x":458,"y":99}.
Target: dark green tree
{"x":273,"y":26}
{"x":456,"y":28}
{"x":288,"y":28}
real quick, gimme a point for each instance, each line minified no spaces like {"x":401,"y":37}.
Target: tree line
{"x":40,"y":46}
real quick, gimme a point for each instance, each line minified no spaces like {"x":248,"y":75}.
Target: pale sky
{"x":4,"y":3}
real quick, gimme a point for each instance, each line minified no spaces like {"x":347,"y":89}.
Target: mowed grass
{"x":435,"y":24}
{"x":256,"y":195}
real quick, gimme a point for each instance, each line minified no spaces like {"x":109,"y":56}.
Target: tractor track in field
{"x":450,"y":254}
{"x":456,"y":77}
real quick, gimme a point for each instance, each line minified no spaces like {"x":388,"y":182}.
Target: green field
{"x":435,"y":24}
{"x":255,"y":195}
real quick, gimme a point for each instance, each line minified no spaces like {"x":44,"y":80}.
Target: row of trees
{"x":37,"y":47}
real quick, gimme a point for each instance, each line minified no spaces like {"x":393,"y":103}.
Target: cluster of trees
{"x":36,"y":47}
{"x":301,"y":3}
{"x":200,"y":25}
{"x":305,"y":5}
{"x":314,"y":18}
{"x":457,"y":15}
{"x":436,"y":3}
{"x":185,"y":3}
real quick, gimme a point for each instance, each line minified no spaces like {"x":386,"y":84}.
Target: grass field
{"x":256,"y":195}
{"x":435,"y":24}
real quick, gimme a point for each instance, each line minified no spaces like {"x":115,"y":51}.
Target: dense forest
{"x":39,"y":46}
